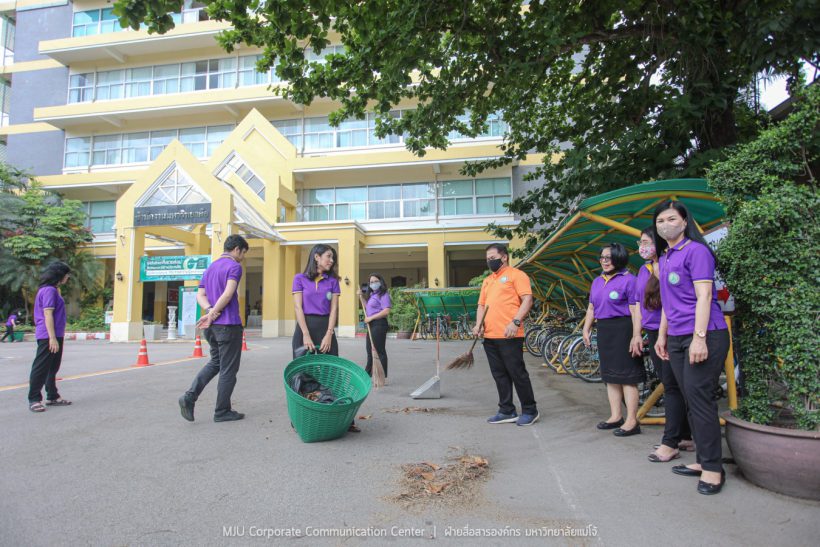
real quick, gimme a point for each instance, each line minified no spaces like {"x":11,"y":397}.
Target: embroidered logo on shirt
{"x":613,"y":295}
{"x":504,"y":279}
{"x":674,"y":278}
{"x":329,"y":295}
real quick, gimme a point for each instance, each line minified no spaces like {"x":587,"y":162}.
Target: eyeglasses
{"x":605,"y":259}
{"x":643,"y":244}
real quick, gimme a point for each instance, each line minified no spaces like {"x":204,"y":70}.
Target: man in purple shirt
{"x":223,"y":331}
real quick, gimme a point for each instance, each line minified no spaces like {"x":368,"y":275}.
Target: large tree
{"x":613,"y":91}
{"x":37,"y":227}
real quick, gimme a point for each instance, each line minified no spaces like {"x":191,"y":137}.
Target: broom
{"x":466,"y":360}
{"x":378,"y":369}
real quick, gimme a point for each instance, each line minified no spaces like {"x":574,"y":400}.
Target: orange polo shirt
{"x":502,"y":292}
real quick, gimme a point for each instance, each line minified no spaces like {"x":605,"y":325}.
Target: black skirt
{"x":617,"y":364}
{"x":317,"y":326}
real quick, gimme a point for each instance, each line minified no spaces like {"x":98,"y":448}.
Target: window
{"x":248,"y":74}
{"x":291,"y":130}
{"x":384,"y":202}
{"x":371,"y":125}
{"x":175,"y":188}
{"x":107,"y":150}
{"x":419,"y":200}
{"x":222,"y":73}
{"x":110,"y":85}
{"x":86,"y":23}
{"x":351,"y":203}
{"x":135,"y":147}
{"x":491,"y":195}
{"x":77,"y":151}
{"x":161,"y":139}
{"x":351,"y":133}
{"x":109,"y":21}
{"x":457,"y":198}
{"x":236,"y":165}
{"x":139,"y":82}
{"x":216,"y":136}
{"x":194,"y":76}
{"x":81,"y":88}
{"x":318,"y":133}
{"x":100,"y":216}
{"x":194,"y":140}
{"x":166,"y":79}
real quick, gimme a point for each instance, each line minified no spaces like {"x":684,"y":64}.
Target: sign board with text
{"x":173,"y":268}
{"x":171,"y":215}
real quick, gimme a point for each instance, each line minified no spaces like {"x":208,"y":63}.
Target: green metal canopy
{"x":563,"y":266}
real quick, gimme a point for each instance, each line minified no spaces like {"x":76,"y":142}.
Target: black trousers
{"x":699,"y":383}
{"x":226,"y":351}
{"x":44,"y":372}
{"x":506,"y":357}
{"x":9,"y":332}
{"x":378,"y":330}
{"x":317,"y":327}
{"x":676,"y":428}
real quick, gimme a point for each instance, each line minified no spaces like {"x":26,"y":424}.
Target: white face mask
{"x":375,"y":286}
{"x":670,"y":232}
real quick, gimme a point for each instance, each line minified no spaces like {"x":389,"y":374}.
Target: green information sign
{"x":173,"y":268}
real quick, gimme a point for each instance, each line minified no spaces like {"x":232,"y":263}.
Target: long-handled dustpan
{"x":431,"y":389}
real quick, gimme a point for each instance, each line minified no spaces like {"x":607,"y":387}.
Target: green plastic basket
{"x":348,"y":381}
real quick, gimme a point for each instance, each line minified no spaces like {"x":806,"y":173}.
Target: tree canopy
{"x":613,"y":92}
{"x":37,"y":227}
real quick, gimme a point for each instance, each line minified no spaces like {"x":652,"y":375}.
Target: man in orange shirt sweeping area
{"x":506,"y":298}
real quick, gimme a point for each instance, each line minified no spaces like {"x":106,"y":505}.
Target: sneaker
{"x":503,"y":418}
{"x":528,"y":419}
{"x":230,"y":416}
{"x":186,"y":407}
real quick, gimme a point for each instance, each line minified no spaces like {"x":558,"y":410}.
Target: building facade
{"x":172,"y":144}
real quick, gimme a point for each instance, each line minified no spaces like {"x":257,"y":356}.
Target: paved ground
{"x":121,"y":467}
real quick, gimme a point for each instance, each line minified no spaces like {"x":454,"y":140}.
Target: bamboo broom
{"x":378,"y":369}
{"x":466,"y":360}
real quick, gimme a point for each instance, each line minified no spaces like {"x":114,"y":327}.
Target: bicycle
{"x":463,"y":329}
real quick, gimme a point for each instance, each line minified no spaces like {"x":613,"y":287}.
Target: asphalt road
{"x":121,"y":467}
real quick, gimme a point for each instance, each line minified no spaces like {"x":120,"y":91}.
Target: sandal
{"x":657,"y":458}
{"x":58,"y":402}
{"x":354,"y":428}
{"x":37,"y":407}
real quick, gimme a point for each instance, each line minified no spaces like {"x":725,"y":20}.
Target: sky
{"x":773,"y":93}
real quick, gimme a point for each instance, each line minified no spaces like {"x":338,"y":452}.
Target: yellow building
{"x":173,"y":145}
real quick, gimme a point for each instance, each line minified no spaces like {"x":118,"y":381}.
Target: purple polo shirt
{"x":650,"y":319}
{"x":376,"y":303}
{"x":48,"y":297}
{"x":316,"y":294}
{"x":214,"y":281}
{"x":680,"y":267}
{"x":9,"y":321}
{"x":611,"y":298}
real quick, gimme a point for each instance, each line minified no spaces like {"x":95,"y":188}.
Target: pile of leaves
{"x":457,"y":481}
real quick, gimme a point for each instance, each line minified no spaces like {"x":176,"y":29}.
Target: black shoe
{"x":685,"y":471}
{"x":610,"y":425}
{"x":230,"y":416}
{"x":620,"y":432}
{"x":186,"y":407}
{"x":708,"y":489}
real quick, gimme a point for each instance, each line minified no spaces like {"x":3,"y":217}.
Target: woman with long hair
{"x":610,"y":305}
{"x":647,"y":316}
{"x":49,"y":330}
{"x":375,"y":314}
{"x":316,"y":302}
{"x":693,"y":335}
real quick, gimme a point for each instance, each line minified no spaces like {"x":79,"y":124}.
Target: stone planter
{"x":782,"y":460}
{"x":152,"y":332}
{"x":404,"y":334}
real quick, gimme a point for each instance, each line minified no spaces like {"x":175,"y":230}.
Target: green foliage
{"x":479,"y":279}
{"x":613,"y":92}
{"x":403,"y":312}
{"x":771,"y":259}
{"x":91,"y":319}
{"x":37,"y":227}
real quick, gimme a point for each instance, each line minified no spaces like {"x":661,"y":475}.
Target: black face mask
{"x":494,"y":264}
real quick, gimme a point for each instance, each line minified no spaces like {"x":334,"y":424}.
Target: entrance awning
{"x":565,"y":263}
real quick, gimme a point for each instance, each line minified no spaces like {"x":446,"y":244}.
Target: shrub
{"x":770,"y":260}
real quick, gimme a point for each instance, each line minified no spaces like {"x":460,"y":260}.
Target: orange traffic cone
{"x":142,"y":356}
{"x":244,"y":343}
{"x":198,"y":348}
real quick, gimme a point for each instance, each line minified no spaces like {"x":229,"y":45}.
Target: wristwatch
{"x":700,"y":333}
{"x":516,"y":322}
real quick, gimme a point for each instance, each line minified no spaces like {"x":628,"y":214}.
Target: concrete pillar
{"x":161,"y":301}
{"x":436,"y":261}
{"x":127,"y":324}
{"x":349,"y":247}
{"x":274,"y":285}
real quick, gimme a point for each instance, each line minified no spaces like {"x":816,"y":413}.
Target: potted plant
{"x":769,"y":260}
{"x":403,"y":313}
{"x":152,"y":330}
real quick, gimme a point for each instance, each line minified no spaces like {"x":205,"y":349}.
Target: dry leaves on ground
{"x":409,"y":409}
{"x":457,"y":482}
